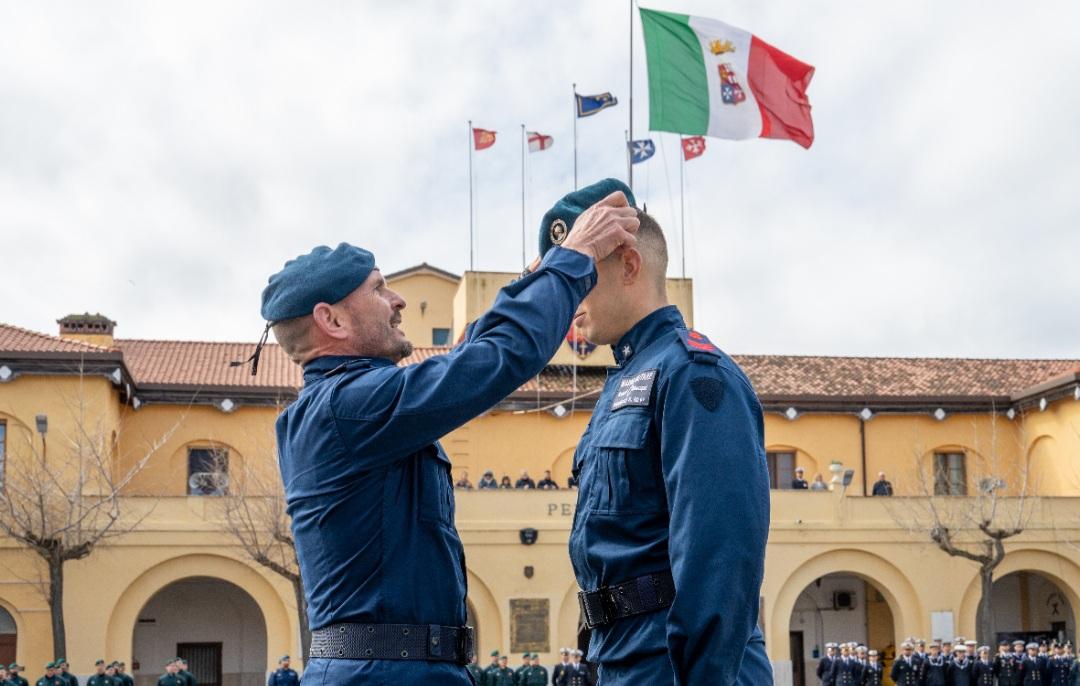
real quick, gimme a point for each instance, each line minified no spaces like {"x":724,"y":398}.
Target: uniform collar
{"x":322,"y":366}
{"x":645,"y":332}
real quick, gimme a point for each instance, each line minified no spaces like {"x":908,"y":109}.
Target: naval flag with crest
{"x":708,"y":78}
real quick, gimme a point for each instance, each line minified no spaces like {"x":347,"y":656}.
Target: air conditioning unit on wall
{"x":843,"y":600}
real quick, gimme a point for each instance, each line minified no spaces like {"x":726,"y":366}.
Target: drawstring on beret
{"x":254,"y":359}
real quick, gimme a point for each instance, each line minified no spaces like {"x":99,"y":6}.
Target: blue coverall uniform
{"x":283,"y":677}
{"x":368,"y":486}
{"x":673,"y":455}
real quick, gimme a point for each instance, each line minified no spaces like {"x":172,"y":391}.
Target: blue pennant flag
{"x":588,"y":105}
{"x":641,"y":150}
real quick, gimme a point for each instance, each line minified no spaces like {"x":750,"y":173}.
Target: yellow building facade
{"x":840,"y":565}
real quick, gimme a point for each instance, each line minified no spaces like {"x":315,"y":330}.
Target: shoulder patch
{"x":707,"y":391}
{"x":697,"y":343}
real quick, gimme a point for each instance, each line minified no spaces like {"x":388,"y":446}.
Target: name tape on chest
{"x":635,"y":391}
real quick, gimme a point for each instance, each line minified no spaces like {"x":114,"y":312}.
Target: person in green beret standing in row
{"x":100,"y":678}
{"x":473,"y":668}
{"x":14,"y":678}
{"x":183,"y":673}
{"x":284,"y":675}
{"x":171,"y":677}
{"x":519,"y":673}
{"x":67,"y":677}
{"x":122,"y":677}
{"x":486,"y":677}
{"x":50,"y":678}
{"x":536,"y":675}
{"x":503,"y":675}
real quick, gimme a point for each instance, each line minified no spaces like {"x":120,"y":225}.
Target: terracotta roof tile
{"x":206,"y":364}
{"x":18,"y":340}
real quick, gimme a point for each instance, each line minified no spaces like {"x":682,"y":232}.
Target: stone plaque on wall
{"x":529,"y":619}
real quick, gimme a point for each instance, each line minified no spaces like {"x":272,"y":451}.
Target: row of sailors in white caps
{"x":954,"y":662}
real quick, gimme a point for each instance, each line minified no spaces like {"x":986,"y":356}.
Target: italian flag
{"x":709,"y":78}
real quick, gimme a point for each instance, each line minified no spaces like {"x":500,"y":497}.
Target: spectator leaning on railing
{"x":463,"y":483}
{"x":488,"y":480}
{"x":799,"y":483}
{"x":525,"y":481}
{"x":818,"y":484}
{"x":547,"y":483}
{"x":882,"y":486}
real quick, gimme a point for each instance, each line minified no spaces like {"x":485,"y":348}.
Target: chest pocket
{"x":435,"y":486}
{"x":626,"y":477}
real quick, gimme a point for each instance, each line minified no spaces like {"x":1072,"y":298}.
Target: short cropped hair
{"x":653,"y":248}
{"x":294,"y":336}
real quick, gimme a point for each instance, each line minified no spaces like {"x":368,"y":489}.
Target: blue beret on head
{"x":557,"y":222}
{"x":321,"y":276}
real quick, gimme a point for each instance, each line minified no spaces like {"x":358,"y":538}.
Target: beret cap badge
{"x":559,"y":232}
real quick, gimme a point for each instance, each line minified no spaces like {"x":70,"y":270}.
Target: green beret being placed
{"x":494,"y":653}
{"x":99,"y":662}
{"x":50,"y":665}
{"x":324,"y":275}
{"x":559,"y":220}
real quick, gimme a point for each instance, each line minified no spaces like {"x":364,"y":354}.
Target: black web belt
{"x":394,"y":642}
{"x":638,"y":596}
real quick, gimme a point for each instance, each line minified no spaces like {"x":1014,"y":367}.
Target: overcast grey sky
{"x":159,"y":160}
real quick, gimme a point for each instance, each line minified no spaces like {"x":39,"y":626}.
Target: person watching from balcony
{"x":547,"y":483}
{"x":487,"y":481}
{"x":882,"y":486}
{"x":799,"y":483}
{"x":525,"y":481}
{"x":504,"y":482}
{"x":463,"y":483}
{"x":818,"y":484}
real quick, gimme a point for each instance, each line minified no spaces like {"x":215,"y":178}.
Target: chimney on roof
{"x":96,"y":329}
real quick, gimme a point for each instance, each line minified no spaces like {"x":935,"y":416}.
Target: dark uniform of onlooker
{"x":882,"y":486}
{"x":906,"y":668}
{"x":474,"y":670}
{"x":1007,"y":666}
{"x":171,"y":677}
{"x":1033,"y":667}
{"x":536,"y":674}
{"x":960,"y":668}
{"x":14,"y":678}
{"x":578,"y":673}
{"x":519,"y":677}
{"x":824,"y":668}
{"x":124,"y":678}
{"x":524,"y":481}
{"x":547,"y":483}
{"x":62,"y":671}
{"x":284,"y":675}
{"x":847,"y":671}
{"x":799,"y":483}
{"x":934,"y":670}
{"x":101,"y":678}
{"x":51,"y":678}
{"x":502,"y":675}
{"x":982,"y":673}
{"x":560,"y":669}
{"x":873,"y":671}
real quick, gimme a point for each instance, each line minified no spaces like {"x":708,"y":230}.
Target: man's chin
{"x":404,"y":349}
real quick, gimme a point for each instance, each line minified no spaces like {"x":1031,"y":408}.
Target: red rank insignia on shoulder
{"x":698,"y":341}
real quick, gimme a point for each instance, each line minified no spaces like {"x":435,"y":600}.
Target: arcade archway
{"x":836,"y":608}
{"x":213,"y":624}
{"x":1032,"y":606}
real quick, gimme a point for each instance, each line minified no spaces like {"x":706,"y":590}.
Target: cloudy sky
{"x":159,"y":160}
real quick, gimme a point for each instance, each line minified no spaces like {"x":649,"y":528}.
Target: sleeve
{"x":391,"y":412}
{"x":273,"y":677}
{"x":711,"y":428}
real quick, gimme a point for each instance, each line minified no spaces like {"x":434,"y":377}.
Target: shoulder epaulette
{"x":698,"y":344}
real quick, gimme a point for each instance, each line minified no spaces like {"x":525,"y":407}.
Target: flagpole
{"x":574,"y":86}
{"x":682,"y":206}
{"x":523,"y":148}
{"x":630,"y":135}
{"x":471,"y":232}
{"x":629,"y":159}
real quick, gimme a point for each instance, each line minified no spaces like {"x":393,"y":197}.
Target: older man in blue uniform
{"x":669,"y":591}
{"x":367,"y":485}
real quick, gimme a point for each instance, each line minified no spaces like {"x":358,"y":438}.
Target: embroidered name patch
{"x":635,"y":390}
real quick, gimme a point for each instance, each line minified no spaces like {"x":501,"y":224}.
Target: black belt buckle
{"x":595,"y":607}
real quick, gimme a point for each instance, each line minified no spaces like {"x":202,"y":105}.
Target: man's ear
{"x":631,"y":264}
{"x":328,"y":321}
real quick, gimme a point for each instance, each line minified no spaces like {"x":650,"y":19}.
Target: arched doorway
{"x":837,"y":608}
{"x":213,"y":624}
{"x":8,"y":636}
{"x":472,"y":620}
{"x":1031,"y":606}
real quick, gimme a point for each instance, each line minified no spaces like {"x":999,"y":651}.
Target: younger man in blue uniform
{"x":673,"y":454}
{"x":367,"y":484}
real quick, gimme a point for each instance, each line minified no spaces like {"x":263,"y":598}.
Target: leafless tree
{"x":971,"y":514}
{"x":256,"y":518}
{"x":64,"y":501}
